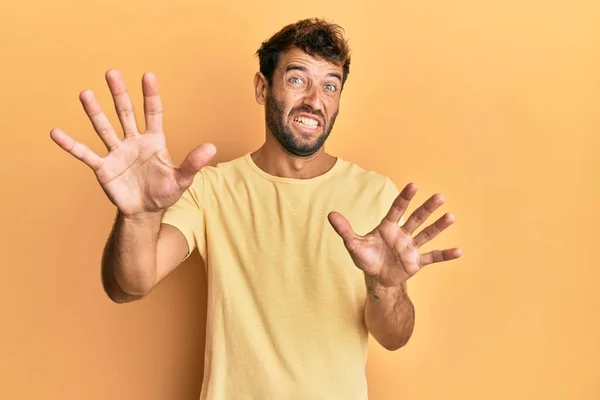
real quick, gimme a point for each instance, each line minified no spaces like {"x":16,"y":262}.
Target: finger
{"x":343,"y":228}
{"x":194,"y":162}
{"x":421,"y":214}
{"x":434,"y":229}
{"x":152,"y":103}
{"x":101,"y":124}
{"x":78,"y":150}
{"x":437,"y":256}
{"x":123,"y":104}
{"x":400,"y":204}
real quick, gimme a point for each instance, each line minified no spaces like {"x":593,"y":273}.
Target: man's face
{"x":303,"y":102}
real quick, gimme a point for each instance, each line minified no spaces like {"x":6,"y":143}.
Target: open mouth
{"x":307,"y":123}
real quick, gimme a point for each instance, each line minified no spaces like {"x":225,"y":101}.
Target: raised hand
{"x":137,"y":174}
{"x":389,"y":253}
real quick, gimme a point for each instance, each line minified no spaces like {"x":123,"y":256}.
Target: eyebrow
{"x":293,"y":67}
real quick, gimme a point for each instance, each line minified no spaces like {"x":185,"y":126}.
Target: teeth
{"x":309,"y":122}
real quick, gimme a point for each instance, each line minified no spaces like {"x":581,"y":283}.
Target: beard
{"x":276,"y":122}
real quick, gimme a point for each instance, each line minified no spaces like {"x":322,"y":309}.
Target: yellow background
{"x":494,"y":104}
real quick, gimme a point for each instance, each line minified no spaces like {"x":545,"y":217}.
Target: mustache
{"x":308,"y":110}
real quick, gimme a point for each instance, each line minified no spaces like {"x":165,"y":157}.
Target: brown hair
{"x":315,"y":37}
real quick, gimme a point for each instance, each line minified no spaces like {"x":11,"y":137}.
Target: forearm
{"x":129,"y":258}
{"x":389,"y":314}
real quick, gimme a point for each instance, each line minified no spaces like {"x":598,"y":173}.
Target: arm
{"x":139,"y":177}
{"x":389,"y":256}
{"x":389,"y":314}
{"x":140,"y":253}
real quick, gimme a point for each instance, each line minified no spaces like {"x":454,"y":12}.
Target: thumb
{"x":341,"y":225}
{"x":193,"y":163}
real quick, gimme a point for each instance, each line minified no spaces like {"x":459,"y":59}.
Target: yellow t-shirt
{"x":285,"y":315}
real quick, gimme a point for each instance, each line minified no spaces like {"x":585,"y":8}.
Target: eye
{"x":296,"y":80}
{"x":330,"y":87}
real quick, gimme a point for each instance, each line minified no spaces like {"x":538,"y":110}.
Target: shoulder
{"x":365,"y":178}
{"x":226,"y":168}
{"x":213,"y":175}
{"x":361,"y":189}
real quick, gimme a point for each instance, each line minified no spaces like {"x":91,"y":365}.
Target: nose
{"x":312,"y":98}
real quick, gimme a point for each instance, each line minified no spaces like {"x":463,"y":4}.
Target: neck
{"x":274,"y":160}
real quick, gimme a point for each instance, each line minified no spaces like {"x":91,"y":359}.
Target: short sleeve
{"x":390,"y":192}
{"x":187,"y":215}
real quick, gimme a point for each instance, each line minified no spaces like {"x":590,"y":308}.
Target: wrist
{"x":142,"y":218}
{"x":376,"y":291}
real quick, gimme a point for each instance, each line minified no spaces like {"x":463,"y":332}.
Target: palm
{"x":386,"y":252}
{"x":389,"y":253}
{"x":134,"y":173}
{"x":137,"y":174}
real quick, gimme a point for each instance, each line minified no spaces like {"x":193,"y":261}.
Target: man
{"x":292,"y":297}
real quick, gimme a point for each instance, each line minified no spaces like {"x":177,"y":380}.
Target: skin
{"x":139,"y":177}
{"x":388,"y":255}
{"x":301,"y":85}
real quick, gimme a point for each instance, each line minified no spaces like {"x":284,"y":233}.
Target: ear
{"x":261,"y":86}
